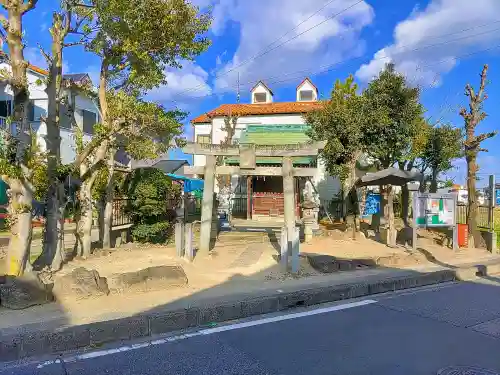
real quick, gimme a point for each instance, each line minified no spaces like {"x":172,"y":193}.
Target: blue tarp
{"x":190,"y":184}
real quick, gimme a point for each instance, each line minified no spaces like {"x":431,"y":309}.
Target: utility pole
{"x":238,"y":89}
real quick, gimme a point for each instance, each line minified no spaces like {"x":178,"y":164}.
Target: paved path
{"x":415,"y":332}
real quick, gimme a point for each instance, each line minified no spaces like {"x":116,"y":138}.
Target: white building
{"x":86,"y":112}
{"x":266,"y":122}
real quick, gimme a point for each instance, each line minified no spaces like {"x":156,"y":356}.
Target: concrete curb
{"x":22,"y":345}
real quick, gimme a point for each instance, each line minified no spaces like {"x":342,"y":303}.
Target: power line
{"x":360,"y":57}
{"x":266,"y":51}
{"x":332,"y":67}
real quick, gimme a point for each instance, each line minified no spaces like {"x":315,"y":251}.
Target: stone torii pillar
{"x":207,"y":204}
{"x":289,"y":200}
{"x":247,"y":154}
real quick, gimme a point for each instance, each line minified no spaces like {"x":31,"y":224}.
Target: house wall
{"x":201,"y":129}
{"x":40,"y":101}
{"x":327,"y":186}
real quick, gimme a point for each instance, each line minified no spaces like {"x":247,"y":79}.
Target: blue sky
{"x":439,"y":44}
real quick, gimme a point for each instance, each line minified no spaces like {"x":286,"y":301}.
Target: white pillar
{"x":207,"y":204}
{"x":289,"y":200}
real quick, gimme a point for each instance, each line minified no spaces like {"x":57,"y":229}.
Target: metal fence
{"x":120,"y":215}
{"x":239,"y":207}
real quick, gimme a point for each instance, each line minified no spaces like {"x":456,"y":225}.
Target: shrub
{"x":150,"y":191}
{"x":152,"y":233}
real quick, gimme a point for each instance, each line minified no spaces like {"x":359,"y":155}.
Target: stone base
{"x":25,"y":291}
{"x":491,"y":241}
{"x":148,"y":279}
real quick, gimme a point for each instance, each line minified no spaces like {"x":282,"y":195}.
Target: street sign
{"x":497,"y":197}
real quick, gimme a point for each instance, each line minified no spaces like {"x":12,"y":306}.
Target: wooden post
{"x":249,"y":197}
{"x":295,"y":250}
{"x":179,"y":239}
{"x":207,"y":204}
{"x":415,"y":210}
{"x":289,"y":200}
{"x":284,"y":249}
{"x":188,"y":240}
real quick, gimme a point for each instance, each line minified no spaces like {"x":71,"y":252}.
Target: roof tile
{"x":277,"y":108}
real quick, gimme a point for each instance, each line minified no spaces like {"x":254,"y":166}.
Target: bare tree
{"x":472,"y":117}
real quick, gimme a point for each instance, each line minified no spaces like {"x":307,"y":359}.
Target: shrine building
{"x":265,"y":122}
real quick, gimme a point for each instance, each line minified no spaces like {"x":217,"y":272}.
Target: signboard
{"x":372,"y":204}
{"x":435,"y":210}
{"x":247,"y":156}
{"x":497,"y":197}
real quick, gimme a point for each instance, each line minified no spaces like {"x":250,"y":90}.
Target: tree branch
{"x":483,"y":83}
{"x":485,"y":136}
{"x":29,"y":5}
{"x":45,"y":55}
{"x":72,"y":44}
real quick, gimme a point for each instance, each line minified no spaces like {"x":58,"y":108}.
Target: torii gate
{"x":248,"y":154}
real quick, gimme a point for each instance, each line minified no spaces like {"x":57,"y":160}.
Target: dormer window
{"x":307,"y":91}
{"x":305,"y":95}
{"x":261,"y":94}
{"x":259,"y":97}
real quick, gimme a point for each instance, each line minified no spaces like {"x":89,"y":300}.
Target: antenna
{"x":238,"y":90}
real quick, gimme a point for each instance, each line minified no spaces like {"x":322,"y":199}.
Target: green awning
{"x":267,"y":135}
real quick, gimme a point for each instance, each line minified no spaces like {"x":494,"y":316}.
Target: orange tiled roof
{"x":38,"y":70}
{"x":279,"y":108}
{"x":30,"y":67}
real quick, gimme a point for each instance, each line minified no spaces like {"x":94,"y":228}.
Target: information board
{"x":497,"y":197}
{"x":435,"y":210}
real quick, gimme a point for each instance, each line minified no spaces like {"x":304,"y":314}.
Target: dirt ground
{"x":240,"y":262}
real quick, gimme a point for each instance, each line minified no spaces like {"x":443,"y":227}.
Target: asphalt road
{"x":418,"y":332}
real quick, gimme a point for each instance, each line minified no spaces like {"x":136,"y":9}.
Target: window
{"x":5,"y":108}
{"x":305,"y":95}
{"x":64,"y":117}
{"x":31,"y":111}
{"x":89,"y":120}
{"x":259,"y":97}
{"x":203,"y":139}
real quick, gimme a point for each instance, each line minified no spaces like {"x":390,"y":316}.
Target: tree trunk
{"x":351,"y":199}
{"x":108,"y":203}
{"x":88,"y":175}
{"x":391,"y":228}
{"x":405,"y":204}
{"x":405,"y":194}
{"x":21,"y":189}
{"x":85,"y":222}
{"x":53,"y":242}
{"x":433,"y":187}
{"x":21,"y":232}
{"x":472,"y":208}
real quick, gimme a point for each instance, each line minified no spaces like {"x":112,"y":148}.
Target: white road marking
{"x":208,"y":331}
{"x":279,"y":318}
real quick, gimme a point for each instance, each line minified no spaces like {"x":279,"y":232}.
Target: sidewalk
{"x":239,"y":278}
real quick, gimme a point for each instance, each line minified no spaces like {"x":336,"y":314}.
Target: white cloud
{"x":188,"y":82}
{"x":261,"y":22}
{"x":451,"y":29}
